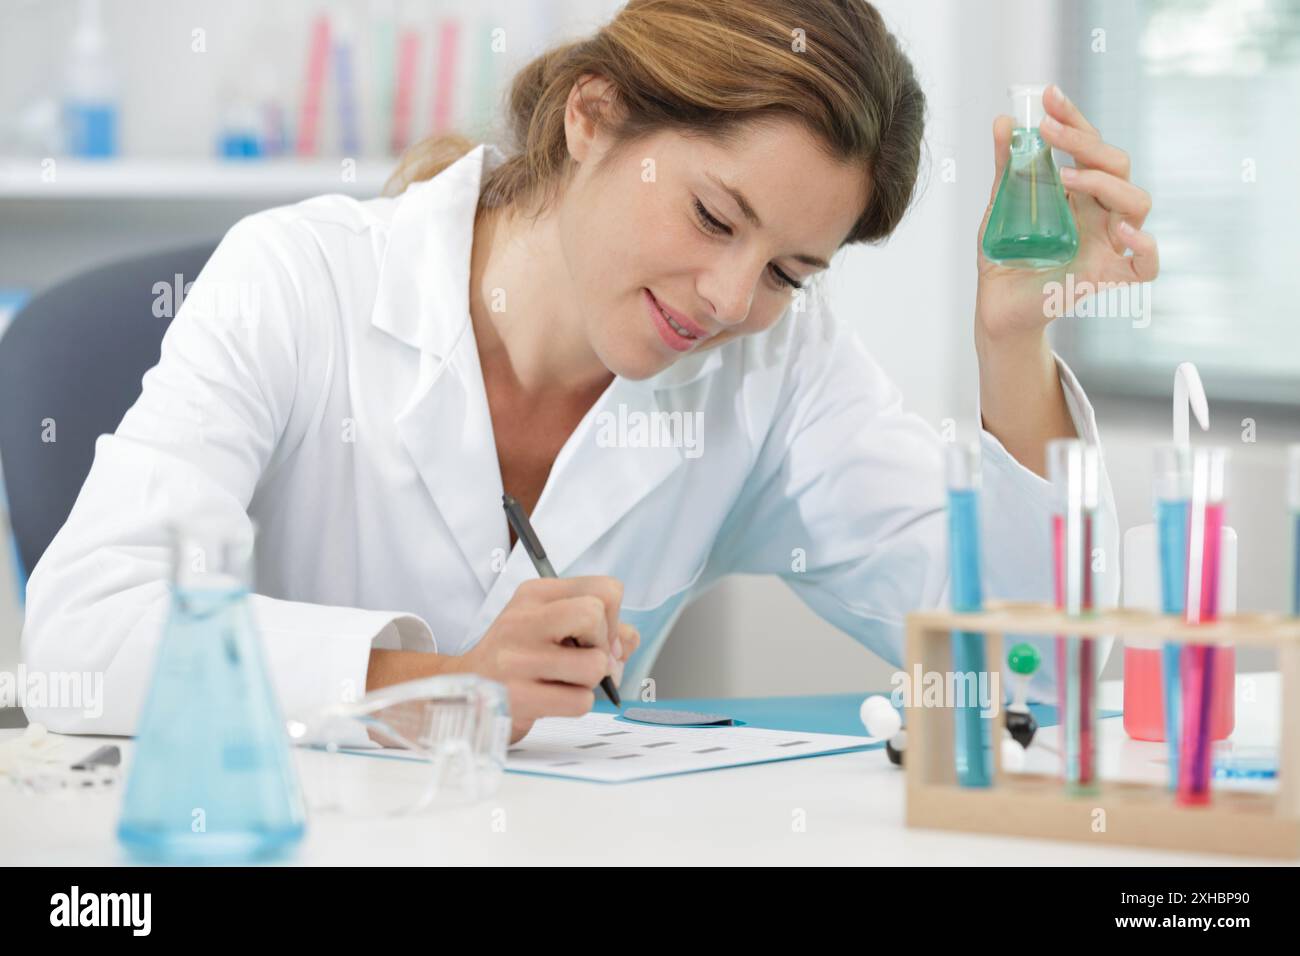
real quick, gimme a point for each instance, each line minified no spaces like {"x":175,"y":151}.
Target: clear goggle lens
{"x":438,"y":741}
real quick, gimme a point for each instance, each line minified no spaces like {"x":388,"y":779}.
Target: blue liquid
{"x":1249,"y":763}
{"x":212,"y":779}
{"x":1171,"y":530}
{"x":967,"y":648}
{"x":237,"y":144}
{"x":91,"y":129}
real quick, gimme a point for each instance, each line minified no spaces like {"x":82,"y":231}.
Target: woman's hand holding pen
{"x":525,"y":648}
{"x":1020,"y":392}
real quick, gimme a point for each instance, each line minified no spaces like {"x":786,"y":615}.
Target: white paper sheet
{"x":599,"y":747}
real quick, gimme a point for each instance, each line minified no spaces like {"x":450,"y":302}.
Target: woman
{"x":619,"y":324}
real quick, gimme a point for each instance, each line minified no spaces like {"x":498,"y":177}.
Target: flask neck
{"x":1027,"y":106}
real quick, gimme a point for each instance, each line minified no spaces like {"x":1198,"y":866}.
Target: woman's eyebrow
{"x":752,"y":216}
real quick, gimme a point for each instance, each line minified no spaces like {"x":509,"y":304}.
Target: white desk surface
{"x":852,"y":811}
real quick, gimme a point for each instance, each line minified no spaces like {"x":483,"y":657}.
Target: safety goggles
{"x":437,"y":741}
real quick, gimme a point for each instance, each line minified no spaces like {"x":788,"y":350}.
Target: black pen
{"x":528,"y":537}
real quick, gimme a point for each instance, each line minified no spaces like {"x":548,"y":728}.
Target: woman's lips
{"x":673,"y":338}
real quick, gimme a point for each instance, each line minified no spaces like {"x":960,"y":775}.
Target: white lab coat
{"x":322,"y":379}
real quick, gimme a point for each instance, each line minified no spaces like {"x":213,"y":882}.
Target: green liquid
{"x":1031,"y":225}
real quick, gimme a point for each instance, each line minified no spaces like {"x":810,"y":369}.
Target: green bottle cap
{"x":1024,"y":658}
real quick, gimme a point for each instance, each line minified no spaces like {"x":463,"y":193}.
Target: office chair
{"x":74,"y":356}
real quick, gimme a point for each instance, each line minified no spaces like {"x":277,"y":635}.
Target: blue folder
{"x":818,"y":713}
{"x":813,"y":714}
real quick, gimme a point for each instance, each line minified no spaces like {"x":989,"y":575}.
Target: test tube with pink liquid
{"x":1198,"y":677}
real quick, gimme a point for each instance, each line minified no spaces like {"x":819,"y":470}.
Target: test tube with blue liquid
{"x":967,"y":594}
{"x":1074,"y":471}
{"x":1173,"y":488}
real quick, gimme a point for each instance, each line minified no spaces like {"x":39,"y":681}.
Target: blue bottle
{"x":212,"y":779}
{"x":90,"y":95}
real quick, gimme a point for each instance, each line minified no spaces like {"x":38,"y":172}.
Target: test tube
{"x":1172,"y":488}
{"x":967,"y":594}
{"x":1204,"y":529}
{"x":1074,"y":470}
{"x":1293,"y":500}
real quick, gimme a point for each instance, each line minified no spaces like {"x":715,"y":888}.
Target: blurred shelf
{"x":83,"y":180}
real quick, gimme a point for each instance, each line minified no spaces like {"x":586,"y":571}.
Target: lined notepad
{"x":601,"y":748}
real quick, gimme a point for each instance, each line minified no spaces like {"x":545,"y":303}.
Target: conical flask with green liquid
{"x":1031,"y":225}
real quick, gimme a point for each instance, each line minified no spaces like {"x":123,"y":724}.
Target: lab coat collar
{"x":593,"y":484}
{"x":423,"y":292}
{"x":446,"y":427}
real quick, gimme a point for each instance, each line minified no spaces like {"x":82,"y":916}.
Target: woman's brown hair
{"x":705,"y":67}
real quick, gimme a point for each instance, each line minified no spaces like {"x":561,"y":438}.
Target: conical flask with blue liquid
{"x":1030,"y":225}
{"x":212,"y":778}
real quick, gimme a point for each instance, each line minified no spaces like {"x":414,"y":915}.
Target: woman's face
{"x":663,"y":227}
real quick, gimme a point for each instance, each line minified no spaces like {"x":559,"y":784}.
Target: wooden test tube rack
{"x":1135,"y":814}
